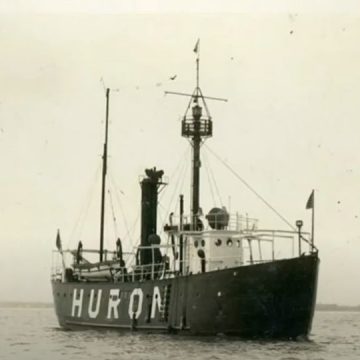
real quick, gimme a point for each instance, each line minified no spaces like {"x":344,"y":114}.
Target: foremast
{"x":103,"y":182}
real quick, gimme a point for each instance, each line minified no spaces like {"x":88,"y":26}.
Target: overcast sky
{"x":292,"y":123}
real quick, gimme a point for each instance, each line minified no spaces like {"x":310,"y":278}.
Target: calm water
{"x":31,"y":333}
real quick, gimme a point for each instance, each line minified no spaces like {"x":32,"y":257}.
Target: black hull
{"x":274,"y":299}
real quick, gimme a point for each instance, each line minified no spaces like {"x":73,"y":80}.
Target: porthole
{"x":218,"y":242}
{"x":238,"y":243}
{"x":196,"y":243}
{"x":202,"y":242}
{"x":229,"y":242}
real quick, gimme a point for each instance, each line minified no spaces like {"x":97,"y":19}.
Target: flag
{"x":197,"y":45}
{"x":58,"y":241}
{"x":310,"y":202}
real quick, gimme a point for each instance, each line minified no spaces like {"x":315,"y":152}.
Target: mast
{"x":103,"y":183}
{"x":196,"y":139}
{"x":196,"y":127}
{"x":196,"y":143}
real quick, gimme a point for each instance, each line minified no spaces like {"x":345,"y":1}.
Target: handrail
{"x":249,"y":238}
{"x":95,"y":251}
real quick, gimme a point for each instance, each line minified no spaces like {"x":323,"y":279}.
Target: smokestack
{"x":149,"y":197}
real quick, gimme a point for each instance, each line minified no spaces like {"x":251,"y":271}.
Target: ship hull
{"x":269,"y":300}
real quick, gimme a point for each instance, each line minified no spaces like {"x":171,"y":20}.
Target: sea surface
{"x":33,"y":333}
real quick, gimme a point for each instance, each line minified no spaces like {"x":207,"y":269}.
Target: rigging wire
{"x":209,"y":180}
{"x":178,"y":167}
{"x":214,"y":181}
{"x":190,"y":102}
{"x":130,"y":232}
{"x":117,"y":197}
{"x":79,"y":224}
{"x":178,"y":185}
{"x":183,"y":180}
{"x":116,"y":233}
{"x":251,"y":189}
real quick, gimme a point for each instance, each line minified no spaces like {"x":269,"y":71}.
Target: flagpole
{"x":59,"y":247}
{"x":197,"y":71}
{"x":313,"y":221}
{"x":197,"y":51}
{"x":311,"y":205}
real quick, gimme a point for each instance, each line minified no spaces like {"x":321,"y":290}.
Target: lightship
{"x":210,"y":282}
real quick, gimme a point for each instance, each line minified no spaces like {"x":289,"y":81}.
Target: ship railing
{"x":271,"y":236}
{"x":108,"y":255}
{"x":255,"y":246}
{"x":77,"y":261}
{"x":283,"y":244}
{"x":230,"y":222}
{"x":156,"y":268}
{"x":238,"y":222}
{"x":82,"y":267}
{"x":164,"y":179}
{"x":147,"y":272}
{"x":203,"y":127}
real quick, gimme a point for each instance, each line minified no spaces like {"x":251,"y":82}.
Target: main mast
{"x":103,"y":183}
{"x":196,"y":128}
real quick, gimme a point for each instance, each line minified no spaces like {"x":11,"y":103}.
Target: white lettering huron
{"x":77,"y":303}
{"x":114,"y":301}
{"x":136,"y":292}
{"x":94,"y":313}
{"x":156,"y":300}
